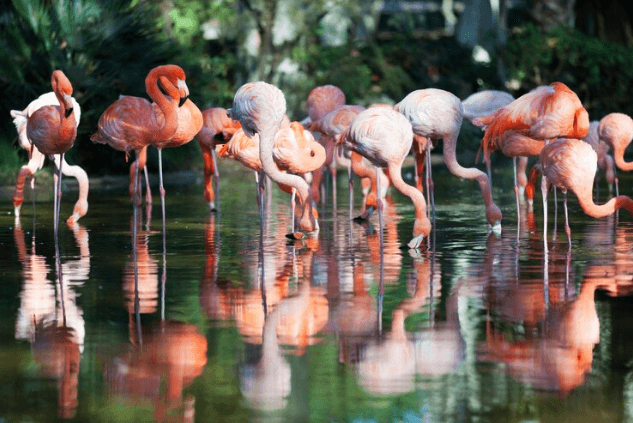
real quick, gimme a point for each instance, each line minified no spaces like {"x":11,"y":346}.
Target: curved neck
{"x":165,"y":104}
{"x":607,"y":209}
{"x":618,"y":156}
{"x":419,"y":202}
{"x":266,"y":141}
{"x":82,"y":179}
{"x":493,"y":214}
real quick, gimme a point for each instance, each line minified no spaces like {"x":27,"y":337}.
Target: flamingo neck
{"x":618,"y":156}
{"x":266,"y":141}
{"x":165,"y":104}
{"x":607,"y":209}
{"x":419,"y":203}
{"x":493,"y":213}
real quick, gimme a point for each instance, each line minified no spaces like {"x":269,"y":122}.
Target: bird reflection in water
{"x":49,"y":316}
{"x":546,"y":339}
{"x":390,"y":365}
{"x":159,"y":362}
{"x":294,"y":321}
{"x":172,"y":356}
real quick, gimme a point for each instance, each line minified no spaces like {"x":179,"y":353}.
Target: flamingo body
{"x":322,"y":100}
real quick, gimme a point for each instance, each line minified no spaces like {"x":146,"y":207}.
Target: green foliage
{"x":598,"y":71}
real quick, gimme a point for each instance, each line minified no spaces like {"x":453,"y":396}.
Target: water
{"x":240,"y":324}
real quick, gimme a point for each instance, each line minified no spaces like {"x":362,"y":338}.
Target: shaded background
{"x":376,"y":51}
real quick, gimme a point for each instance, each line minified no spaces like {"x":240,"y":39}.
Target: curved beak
{"x":184,"y":92}
{"x":68,"y":105}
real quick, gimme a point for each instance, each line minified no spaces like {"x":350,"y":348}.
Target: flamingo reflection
{"x":294,"y":321}
{"x":172,"y":356}
{"x":50,"y":318}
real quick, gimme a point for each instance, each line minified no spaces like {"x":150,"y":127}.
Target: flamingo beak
{"x":184,"y":92}
{"x":68,"y":112}
{"x":68,"y":105}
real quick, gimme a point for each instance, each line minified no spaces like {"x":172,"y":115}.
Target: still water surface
{"x":237,"y":323}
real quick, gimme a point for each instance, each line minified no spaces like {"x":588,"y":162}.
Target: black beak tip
{"x":68,"y":112}
{"x":182,"y":101}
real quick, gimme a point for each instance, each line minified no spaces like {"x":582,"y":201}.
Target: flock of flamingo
{"x":373,"y":142}
{"x":549,"y":122}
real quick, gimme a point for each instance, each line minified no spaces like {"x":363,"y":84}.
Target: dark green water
{"x":234,"y":327}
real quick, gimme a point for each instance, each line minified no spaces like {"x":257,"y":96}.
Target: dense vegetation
{"x":106,"y":48}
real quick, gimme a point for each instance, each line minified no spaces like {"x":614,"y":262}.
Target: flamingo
{"x":53,"y":129}
{"x":438,"y":114}
{"x":571,"y":164}
{"x":322,"y":100}
{"x":331,"y":125}
{"x":523,"y":127}
{"x":385,"y":136}
{"x":616,"y":129}
{"x":217,"y":128}
{"x":294,"y":151}
{"x":260,"y":107}
{"x":605,"y":162}
{"x":36,"y":158}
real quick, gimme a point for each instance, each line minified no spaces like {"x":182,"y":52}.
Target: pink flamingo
{"x":571,"y":164}
{"x":217,"y":129}
{"x":438,"y":114}
{"x":36,"y":158}
{"x":523,"y":127}
{"x":384,"y":136}
{"x":260,"y":108}
{"x":53,"y":129}
{"x":616,"y":129}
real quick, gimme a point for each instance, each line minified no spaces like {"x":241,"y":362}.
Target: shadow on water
{"x":342,"y":326}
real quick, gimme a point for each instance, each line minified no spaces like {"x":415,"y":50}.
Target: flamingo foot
{"x":17,"y":211}
{"x":415,"y":243}
{"x":363,"y":217}
{"x":296,"y":236}
{"x":212,"y":207}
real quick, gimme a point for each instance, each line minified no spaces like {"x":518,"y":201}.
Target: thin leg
{"x":429,"y":180}
{"x":381,"y":288}
{"x":292,"y":207}
{"x":136,"y":194}
{"x":567,"y":229}
{"x":544,"y":188}
{"x":162,"y":188}
{"x":148,"y":191}
{"x":58,"y":195}
{"x":216,"y":182}
{"x":555,"y":214}
{"x":516,"y":194}
{"x":351,"y":190}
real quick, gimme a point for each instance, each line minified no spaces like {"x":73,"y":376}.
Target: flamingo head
{"x":63,"y":91}
{"x":170,"y":75}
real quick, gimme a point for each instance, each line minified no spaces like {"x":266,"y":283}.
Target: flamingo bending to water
{"x":438,"y":114}
{"x":260,"y":108}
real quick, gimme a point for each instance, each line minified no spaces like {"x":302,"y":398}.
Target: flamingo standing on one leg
{"x":36,"y":158}
{"x":217,"y":129}
{"x":571,"y":164}
{"x":523,"y":127}
{"x":384,"y":136}
{"x":53,"y":129}
{"x":438,"y":114}
{"x":260,"y":108}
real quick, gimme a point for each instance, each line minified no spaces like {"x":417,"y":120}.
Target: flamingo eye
{"x":312,"y":153}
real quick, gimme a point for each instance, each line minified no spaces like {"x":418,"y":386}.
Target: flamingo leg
{"x":567,"y":229}
{"x":148,"y":191}
{"x":162,"y":188}
{"x":516,"y":194}
{"x":216,"y":182}
{"x":351,"y":190}
{"x":58,"y":193}
{"x":136,"y":195}
{"x":381,"y":288}
{"x":555,"y":214}
{"x":544,"y":188}
{"x":292,"y":207}
{"x":429,"y":181}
